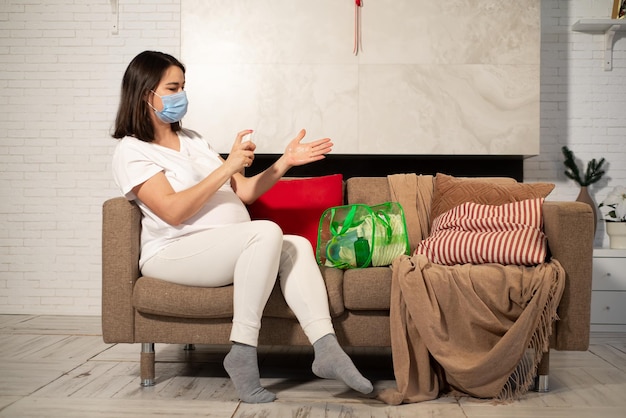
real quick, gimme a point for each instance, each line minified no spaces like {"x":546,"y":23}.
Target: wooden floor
{"x":58,"y":366}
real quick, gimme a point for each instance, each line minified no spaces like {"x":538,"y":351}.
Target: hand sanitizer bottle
{"x":361,"y":252}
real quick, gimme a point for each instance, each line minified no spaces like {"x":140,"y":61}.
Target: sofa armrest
{"x":570,"y":231}
{"x":121,"y":228}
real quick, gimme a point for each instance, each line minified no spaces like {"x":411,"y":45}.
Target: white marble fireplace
{"x":432,"y":78}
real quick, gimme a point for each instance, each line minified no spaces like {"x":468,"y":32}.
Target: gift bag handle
{"x":386,"y":221}
{"x":347,"y":222}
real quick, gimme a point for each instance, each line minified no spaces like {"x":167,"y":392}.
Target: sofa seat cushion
{"x":158,"y":297}
{"x":367,"y":289}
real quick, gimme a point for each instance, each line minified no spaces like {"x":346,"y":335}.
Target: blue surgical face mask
{"x":174,"y":107}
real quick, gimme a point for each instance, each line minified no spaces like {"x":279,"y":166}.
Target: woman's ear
{"x":148,"y":97}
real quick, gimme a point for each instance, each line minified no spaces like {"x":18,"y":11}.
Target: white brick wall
{"x":60,"y":71}
{"x":582,"y":106}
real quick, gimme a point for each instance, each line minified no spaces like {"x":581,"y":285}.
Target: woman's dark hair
{"x":142,"y":75}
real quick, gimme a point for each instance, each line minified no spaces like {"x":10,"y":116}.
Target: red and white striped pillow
{"x":473,"y":233}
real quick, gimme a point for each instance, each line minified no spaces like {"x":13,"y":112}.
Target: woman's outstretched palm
{"x":298,"y":153}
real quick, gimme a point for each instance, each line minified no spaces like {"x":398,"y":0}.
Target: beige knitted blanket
{"x":476,"y":329}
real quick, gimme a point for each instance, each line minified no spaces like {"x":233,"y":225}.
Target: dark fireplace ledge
{"x":359,"y":165}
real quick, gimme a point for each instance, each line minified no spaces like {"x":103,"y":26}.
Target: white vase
{"x":617,"y":234}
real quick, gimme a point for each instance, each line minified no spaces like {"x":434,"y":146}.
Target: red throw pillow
{"x":296,"y":204}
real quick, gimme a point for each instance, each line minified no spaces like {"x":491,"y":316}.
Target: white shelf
{"x":599,"y":25}
{"x":606,"y":26}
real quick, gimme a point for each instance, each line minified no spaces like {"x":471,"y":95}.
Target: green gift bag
{"x":357,"y":236}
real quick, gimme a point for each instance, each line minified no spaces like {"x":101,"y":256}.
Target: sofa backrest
{"x":367,"y":190}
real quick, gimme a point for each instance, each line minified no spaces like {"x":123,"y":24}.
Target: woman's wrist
{"x":282,"y":165}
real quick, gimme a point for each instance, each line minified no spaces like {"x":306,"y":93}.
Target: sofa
{"x":139,"y":309}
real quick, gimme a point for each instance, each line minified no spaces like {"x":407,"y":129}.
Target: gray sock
{"x":331,"y":362}
{"x":242,"y":366}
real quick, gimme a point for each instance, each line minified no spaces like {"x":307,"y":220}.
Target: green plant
{"x":593,"y":173}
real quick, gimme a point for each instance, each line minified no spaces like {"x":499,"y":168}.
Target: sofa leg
{"x":541,"y":380}
{"x":147,"y":364}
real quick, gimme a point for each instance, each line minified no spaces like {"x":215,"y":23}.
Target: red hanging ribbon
{"x":357,"y":26}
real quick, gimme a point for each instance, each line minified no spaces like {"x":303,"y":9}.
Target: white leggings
{"x":250,"y":255}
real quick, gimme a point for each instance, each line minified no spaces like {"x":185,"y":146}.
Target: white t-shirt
{"x":135,"y":161}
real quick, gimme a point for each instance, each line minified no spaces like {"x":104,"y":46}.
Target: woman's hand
{"x":241,"y":154}
{"x":298,"y":153}
{"x":250,"y":188}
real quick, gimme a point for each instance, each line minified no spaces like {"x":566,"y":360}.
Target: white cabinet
{"x":608,"y":296}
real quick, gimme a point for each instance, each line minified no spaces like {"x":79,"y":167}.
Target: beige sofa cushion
{"x":158,"y":297}
{"x":367,"y":289}
{"x":451,"y":191}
